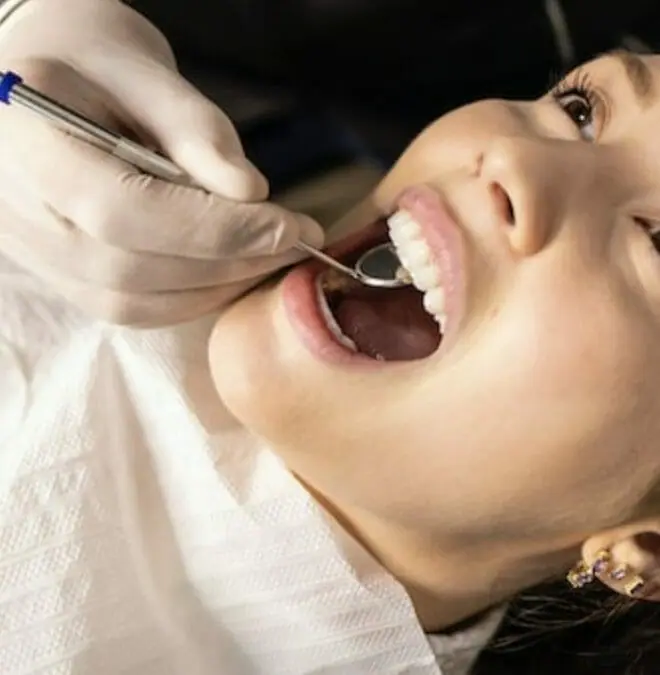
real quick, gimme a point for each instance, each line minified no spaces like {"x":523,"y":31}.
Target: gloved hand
{"x":123,"y":246}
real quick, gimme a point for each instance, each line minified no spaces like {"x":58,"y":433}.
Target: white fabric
{"x":141,"y":533}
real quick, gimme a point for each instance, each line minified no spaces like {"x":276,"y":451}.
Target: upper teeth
{"x":415,"y":255}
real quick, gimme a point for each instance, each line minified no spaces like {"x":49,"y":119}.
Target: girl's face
{"x":540,"y":410}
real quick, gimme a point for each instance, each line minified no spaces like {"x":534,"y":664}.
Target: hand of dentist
{"x":122,"y":246}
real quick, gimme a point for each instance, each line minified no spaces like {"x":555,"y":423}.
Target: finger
{"x":150,"y":215}
{"x":108,"y":200}
{"x":97,"y":264}
{"x":195,"y":134}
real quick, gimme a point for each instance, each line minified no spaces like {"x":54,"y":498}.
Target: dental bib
{"x":141,"y":531}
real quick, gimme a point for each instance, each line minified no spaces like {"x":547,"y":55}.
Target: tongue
{"x":389,"y":325}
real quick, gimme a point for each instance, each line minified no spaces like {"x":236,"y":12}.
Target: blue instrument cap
{"x":7,"y":83}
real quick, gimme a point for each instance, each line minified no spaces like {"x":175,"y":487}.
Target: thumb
{"x":198,"y":136}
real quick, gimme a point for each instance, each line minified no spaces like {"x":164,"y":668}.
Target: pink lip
{"x":302,"y":308}
{"x":442,"y":234}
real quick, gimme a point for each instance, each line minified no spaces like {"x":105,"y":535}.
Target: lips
{"x":382,"y":331}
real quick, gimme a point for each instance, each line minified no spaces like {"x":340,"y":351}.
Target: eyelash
{"x":578,"y":82}
{"x":579,"y":86}
{"x":651,"y":230}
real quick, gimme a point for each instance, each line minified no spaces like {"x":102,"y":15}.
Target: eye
{"x":581,"y":112}
{"x":652,"y":230}
{"x":578,"y":100}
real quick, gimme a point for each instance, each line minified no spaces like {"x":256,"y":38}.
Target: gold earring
{"x":635,"y":585}
{"x":602,"y":562}
{"x":582,"y":574}
{"x":635,"y":582}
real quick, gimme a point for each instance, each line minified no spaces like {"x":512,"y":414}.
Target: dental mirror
{"x":379,"y":267}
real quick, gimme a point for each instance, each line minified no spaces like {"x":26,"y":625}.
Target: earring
{"x":620,"y":572}
{"x":635,"y":585}
{"x":602,"y":562}
{"x":580,"y":575}
{"x":635,"y":582}
{"x":583,"y":574}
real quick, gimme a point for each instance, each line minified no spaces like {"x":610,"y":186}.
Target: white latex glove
{"x":122,"y":246}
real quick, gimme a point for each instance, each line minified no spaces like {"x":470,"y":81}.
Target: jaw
{"x":451,"y":581}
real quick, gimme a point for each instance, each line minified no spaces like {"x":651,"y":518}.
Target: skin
{"x":533,"y":439}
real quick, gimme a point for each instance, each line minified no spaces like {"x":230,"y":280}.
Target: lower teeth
{"x":330,"y":321}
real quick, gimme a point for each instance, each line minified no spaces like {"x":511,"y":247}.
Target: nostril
{"x":503,"y":204}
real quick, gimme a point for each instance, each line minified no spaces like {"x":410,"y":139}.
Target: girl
{"x":500,"y":428}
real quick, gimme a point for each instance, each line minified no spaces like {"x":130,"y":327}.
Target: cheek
{"x":547,"y":371}
{"x":562,"y":364}
{"x":566,"y":339}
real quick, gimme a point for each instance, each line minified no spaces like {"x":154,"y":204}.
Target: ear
{"x":629,"y":558}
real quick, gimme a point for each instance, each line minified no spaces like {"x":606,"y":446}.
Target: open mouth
{"x":403,"y":324}
{"x":342,"y":321}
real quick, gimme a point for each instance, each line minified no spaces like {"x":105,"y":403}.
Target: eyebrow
{"x":637,"y":72}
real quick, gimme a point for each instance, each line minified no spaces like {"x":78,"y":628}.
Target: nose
{"x":521,"y":183}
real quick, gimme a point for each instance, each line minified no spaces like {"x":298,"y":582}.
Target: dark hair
{"x":554,"y":629}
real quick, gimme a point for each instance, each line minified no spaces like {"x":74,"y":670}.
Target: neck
{"x":450,"y":582}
